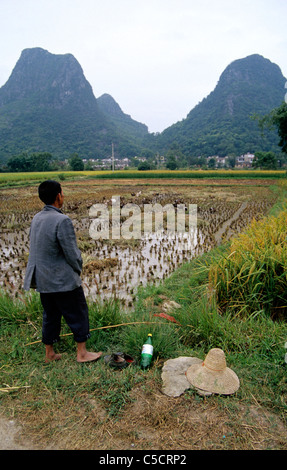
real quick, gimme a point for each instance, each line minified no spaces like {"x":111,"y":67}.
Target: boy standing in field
{"x":54,"y":268}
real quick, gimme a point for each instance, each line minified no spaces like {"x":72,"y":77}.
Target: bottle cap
{"x":149,"y":334}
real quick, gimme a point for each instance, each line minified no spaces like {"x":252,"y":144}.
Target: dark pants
{"x":73,"y":307}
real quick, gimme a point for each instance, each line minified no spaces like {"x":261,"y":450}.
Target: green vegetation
{"x":265,"y":161}
{"x":190,"y":174}
{"x":253,"y":344}
{"x":252,"y":340}
{"x":233,"y":297}
{"x":47,"y":105}
{"x":63,"y":394}
{"x":76,"y":163}
{"x":24,"y":178}
{"x":54,"y":109}
{"x":277,"y":118}
{"x":251,"y":278}
{"x":223,"y":123}
{"x":30,"y":163}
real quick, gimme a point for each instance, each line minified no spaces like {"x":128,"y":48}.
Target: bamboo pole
{"x":105,"y":327}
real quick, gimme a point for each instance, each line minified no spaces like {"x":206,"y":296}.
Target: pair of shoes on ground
{"x":119,"y":360}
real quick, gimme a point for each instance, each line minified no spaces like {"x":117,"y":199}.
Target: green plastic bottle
{"x":147,"y":352}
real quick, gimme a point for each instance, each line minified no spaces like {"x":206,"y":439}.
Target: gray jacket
{"x":55,"y":262}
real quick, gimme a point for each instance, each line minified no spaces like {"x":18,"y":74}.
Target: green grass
{"x":25,"y":178}
{"x":254,"y":345}
{"x":217,"y":174}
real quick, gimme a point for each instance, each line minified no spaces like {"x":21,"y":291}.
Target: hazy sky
{"x":157,"y":58}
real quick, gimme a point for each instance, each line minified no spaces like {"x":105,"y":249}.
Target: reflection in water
{"x":156,"y":256}
{"x":115,"y":268}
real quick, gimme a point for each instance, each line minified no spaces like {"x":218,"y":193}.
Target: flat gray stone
{"x":173,"y":375}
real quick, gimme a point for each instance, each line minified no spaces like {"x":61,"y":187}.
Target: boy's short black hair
{"x":48,"y":191}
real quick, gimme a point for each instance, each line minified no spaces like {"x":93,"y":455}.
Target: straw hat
{"x":212,"y":375}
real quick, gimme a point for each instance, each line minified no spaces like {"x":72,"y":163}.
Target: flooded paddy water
{"x":117,"y":267}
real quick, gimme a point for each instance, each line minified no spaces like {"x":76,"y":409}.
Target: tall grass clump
{"x":22,"y":309}
{"x":251,"y":278}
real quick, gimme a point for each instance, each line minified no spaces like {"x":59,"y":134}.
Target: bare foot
{"x":87,"y":356}
{"x":53,"y":357}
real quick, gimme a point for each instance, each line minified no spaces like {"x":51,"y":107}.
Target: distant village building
{"x":245,"y":161}
{"x":219,"y":161}
{"x":106,"y":163}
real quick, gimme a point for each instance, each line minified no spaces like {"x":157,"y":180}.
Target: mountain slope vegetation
{"x":223,"y":123}
{"x":47,"y":105}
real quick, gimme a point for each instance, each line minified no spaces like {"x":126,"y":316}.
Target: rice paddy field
{"x":221,"y":285}
{"x":116,"y":267}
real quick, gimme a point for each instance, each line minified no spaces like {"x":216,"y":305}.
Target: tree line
{"x":175,"y":158}
{"x":41,"y":161}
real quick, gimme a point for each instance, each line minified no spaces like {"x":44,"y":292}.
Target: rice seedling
{"x":57,"y":397}
{"x":115,"y":268}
